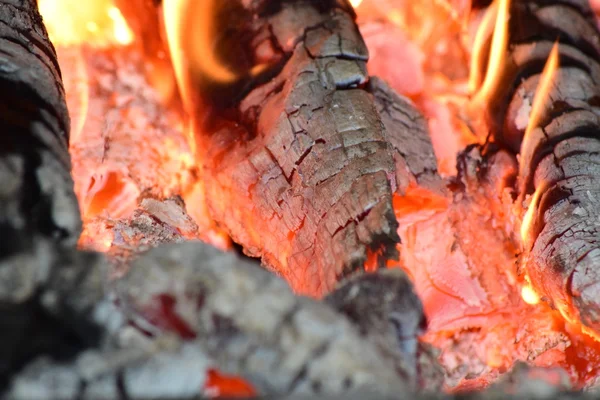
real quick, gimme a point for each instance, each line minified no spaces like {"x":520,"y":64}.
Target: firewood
{"x":204,"y":308}
{"x":388,"y":312}
{"x":559,"y":157}
{"x":251,"y":323}
{"x":52,"y":304}
{"x":304,"y":175}
{"x":37,"y":190}
{"x":243,"y":320}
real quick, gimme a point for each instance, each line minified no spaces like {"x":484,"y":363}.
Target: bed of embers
{"x":300,"y":198}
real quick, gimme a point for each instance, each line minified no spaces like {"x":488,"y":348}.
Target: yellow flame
{"x":93,"y":22}
{"x":355,"y":3}
{"x":497,"y":52}
{"x":190,"y":33}
{"x":121,"y":31}
{"x":527,"y":222}
{"x":539,"y":103}
{"x":484,"y":29}
{"x":529,"y":295}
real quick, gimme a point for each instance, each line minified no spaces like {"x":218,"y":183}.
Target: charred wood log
{"x":251,"y":324}
{"x":52,"y":304}
{"x":388,"y":312}
{"x":204,"y":308}
{"x":301,"y":172}
{"x":559,"y":157}
{"x":37,"y":190}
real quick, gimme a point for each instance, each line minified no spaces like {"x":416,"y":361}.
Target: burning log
{"x":301,"y":172}
{"x":37,"y":196}
{"x":551,"y":119}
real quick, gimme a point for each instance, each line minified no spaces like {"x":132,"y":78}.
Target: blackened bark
{"x":37,"y":190}
{"x":559,"y":158}
{"x":304,"y":176}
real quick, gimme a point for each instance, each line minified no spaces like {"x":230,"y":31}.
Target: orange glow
{"x":96,"y":23}
{"x":77,"y":87}
{"x":539,"y":104}
{"x":219,"y":385}
{"x":110,"y":193}
{"x":529,"y":295}
{"x":497,"y":53}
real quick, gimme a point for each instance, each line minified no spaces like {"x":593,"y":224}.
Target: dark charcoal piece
{"x":388,"y":312}
{"x":52,"y":304}
{"x":36,"y":195}
{"x":560,"y":158}
{"x":303,"y":176}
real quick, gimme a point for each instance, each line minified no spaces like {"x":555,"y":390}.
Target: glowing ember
{"x":97,"y":23}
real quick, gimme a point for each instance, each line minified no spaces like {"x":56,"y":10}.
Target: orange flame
{"x":539,"y":103}
{"x":527,"y":222}
{"x":497,"y":52}
{"x":97,"y":23}
{"x":477,"y":56}
{"x":190,"y":34}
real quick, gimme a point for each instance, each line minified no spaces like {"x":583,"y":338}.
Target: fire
{"x":477,"y":56}
{"x":528,"y":218}
{"x":497,"y":53}
{"x":190,"y":28}
{"x":529,"y":295}
{"x":355,"y":3}
{"x":539,"y":103}
{"x":97,"y":23}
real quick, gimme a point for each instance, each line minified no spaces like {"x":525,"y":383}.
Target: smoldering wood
{"x":52,"y":303}
{"x":407,"y":132}
{"x":388,"y":312}
{"x":304,"y":176}
{"x":559,"y":157}
{"x":249,"y":321}
{"x":245,"y":319}
{"x":37,"y":195}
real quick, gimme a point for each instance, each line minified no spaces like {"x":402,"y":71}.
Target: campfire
{"x":235,"y":198}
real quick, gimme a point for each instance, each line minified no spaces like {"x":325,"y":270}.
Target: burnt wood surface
{"x":36,"y":195}
{"x":560,"y":158}
{"x":303,"y":173}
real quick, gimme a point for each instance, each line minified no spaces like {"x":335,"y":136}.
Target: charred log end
{"x":38,"y":197}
